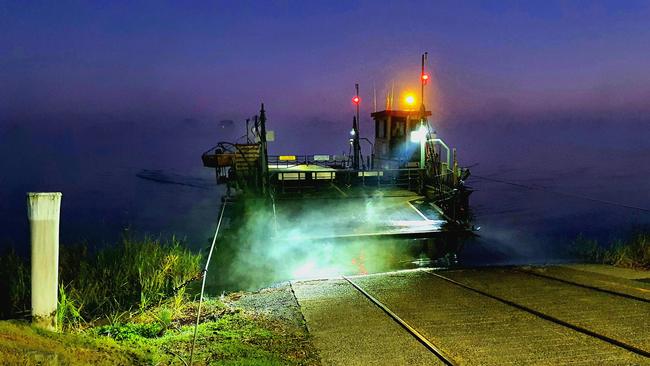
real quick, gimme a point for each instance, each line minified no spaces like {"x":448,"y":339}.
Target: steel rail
{"x":417,"y":335}
{"x":594,"y":288}
{"x":547,"y":317}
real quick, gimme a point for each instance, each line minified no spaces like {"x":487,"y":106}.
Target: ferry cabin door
{"x":397,"y":137}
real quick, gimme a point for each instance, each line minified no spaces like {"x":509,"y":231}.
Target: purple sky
{"x":218,"y":60}
{"x":92,"y":93}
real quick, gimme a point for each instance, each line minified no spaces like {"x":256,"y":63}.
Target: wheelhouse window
{"x":380,"y":129}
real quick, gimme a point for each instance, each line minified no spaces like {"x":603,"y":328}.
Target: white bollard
{"x":43,"y":213}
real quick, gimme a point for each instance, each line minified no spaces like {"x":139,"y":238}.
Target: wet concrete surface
{"x":348,"y":329}
{"x":606,"y":270}
{"x":471,"y":328}
{"x":616,"y":317}
{"x":631,"y":282}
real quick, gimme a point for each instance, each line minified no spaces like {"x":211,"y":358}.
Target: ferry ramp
{"x":341,"y":213}
{"x":489,"y":316}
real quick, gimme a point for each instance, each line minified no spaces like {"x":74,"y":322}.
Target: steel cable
{"x":205,"y":272}
{"x":562,"y":193}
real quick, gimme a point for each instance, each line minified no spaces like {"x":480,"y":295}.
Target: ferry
{"x":404,"y":181}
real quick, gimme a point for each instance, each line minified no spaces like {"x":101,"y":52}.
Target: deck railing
{"x":328,"y":161}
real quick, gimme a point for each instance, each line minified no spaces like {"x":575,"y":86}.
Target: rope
{"x":563,"y":193}
{"x":205,"y":272}
{"x":184,"y":284}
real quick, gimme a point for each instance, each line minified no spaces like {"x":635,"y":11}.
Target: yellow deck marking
{"x":339,"y":189}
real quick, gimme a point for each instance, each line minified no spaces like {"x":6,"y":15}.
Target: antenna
{"x":374,"y":98}
{"x":248,"y":140}
{"x":387,"y":99}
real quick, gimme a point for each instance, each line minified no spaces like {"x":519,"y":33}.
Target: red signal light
{"x":425,"y":78}
{"x":356,"y":99}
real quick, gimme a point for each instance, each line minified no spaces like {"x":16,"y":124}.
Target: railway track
{"x":547,"y":317}
{"x":582,"y":285}
{"x":445,"y":357}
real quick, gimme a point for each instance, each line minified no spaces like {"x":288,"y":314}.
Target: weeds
{"x":129,"y":331}
{"x":116,"y":318}
{"x":126,"y":305}
{"x":67,"y":311}
{"x":229,"y":336}
{"x":15,"y":285}
{"x":132,"y":275}
{"x":21,"y":344}
{"x":633,"y":253}
{"x":164,"y":319}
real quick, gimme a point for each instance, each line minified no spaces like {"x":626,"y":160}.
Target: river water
{"x":536,"y":187}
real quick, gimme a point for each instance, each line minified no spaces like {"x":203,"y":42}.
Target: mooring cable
{"x":543,"y":189}
{"x":205,"y":272}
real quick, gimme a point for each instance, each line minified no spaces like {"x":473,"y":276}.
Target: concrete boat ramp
{"x":488,"y":316}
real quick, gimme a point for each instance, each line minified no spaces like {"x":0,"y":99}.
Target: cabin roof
{"x":398,"y":113}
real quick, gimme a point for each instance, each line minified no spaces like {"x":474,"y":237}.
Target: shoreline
{"x":267,"y":326}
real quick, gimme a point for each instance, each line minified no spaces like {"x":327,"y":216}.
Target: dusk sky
{"x":94,"y":95}
{"x":218,"y":60}
{"x":136,"y":113}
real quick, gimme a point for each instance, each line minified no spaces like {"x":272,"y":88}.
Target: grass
{"x":125,"y":305}
{"x":118,"y":280}
{"x":14,"y":285}
{"x":631,"y":253}
{"x":21,"y":344}
{"x":227,"y":335}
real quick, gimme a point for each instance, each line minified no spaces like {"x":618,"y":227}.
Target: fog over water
{"x":573,"y":163}
{"x":147,"y":176}
{"x":112,"y":104}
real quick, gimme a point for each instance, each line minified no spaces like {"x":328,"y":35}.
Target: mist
{"x":100,"y":158}
{"x":98,"y":163}
{"x":314,"y":239}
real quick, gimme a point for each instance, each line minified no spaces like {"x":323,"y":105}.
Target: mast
{"x":423,"y":114}
{"x":356,"y":88}
{"x":265,"y":156}
{"x":423,"y":80}
{"x":356,"y":147}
